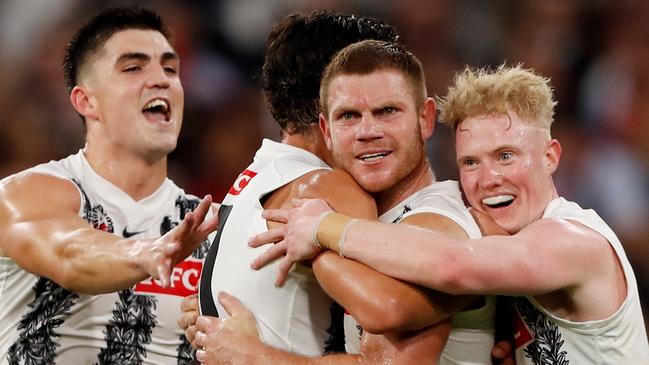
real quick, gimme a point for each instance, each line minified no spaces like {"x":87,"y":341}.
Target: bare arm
{"x":380,"y":303}
{"x":539,"y":259}
{"x":41,"y":230}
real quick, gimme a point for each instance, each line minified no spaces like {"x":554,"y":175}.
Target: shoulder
{"x":569,"y":237}
{"x":30,"y":196}
{"x":34,"y":187}
{"x":340,"y":191}
{"x":437,"y":223}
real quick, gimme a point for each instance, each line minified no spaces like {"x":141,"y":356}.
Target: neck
{"x":310,"y":140}
{"x":134,"y":175}
{"x":418,"y":179}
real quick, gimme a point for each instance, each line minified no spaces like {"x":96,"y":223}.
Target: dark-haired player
{"x":80,"y":237}
{"x":299,"y":316}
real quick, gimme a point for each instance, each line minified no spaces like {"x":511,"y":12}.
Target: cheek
{"x":469,"y":183}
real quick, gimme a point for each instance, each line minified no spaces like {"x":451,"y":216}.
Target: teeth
{"x":157,"y":103}
{"x":494,"y":200}
{"x":373,"y":156}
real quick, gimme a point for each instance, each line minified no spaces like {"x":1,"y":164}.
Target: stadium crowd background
{"x":596,"y":53}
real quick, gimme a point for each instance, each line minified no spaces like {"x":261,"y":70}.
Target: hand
{"x":227,"y":341}
{"x":294,"y":239}
{"x":159,"y":257}
{"x":188,"y":316}
{"x":502,"y":353}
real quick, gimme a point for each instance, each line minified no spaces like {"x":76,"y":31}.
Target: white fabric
{"x":296,"y":316}
{"x":472,"y":333}
{"x":88,"y":320}
{"x":618,"y":339}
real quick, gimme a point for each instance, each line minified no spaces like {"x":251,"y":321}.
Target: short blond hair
{"x":477,"y":92}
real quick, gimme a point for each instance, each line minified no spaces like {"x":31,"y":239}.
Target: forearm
{"x":79,"y":259}
{"x":379,"y":303}
{"x":105,"y":266}
{"x":400,"y":251}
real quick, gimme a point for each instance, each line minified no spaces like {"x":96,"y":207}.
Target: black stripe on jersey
{"x":129,"y":330}
{"x":35,"y":344}
{"x":205,"y":295}
{"x":336,"y":341}
{"x":185,"y":352}
{"x":546,"y":347}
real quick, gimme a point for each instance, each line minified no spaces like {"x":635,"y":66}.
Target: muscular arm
{"x":380,"y":303}
{"x":539,"y":259}
{"x":41,"y":230}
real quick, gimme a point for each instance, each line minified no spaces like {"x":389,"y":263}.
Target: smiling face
{"x":374,"y":129}
{"x":506,"y":167}
{"x":134,"y":95}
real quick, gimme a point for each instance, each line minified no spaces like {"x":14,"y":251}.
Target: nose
{"x":157,"y":77}
{"x":491,"y":176}
{"x":369,"y":128}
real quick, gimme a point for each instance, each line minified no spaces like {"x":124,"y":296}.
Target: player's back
{"x":297,"y":316}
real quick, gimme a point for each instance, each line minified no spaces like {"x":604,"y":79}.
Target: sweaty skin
{"x":44,"y":234}
{"x":40,"y":227}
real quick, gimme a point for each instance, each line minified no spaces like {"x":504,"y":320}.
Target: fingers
{"x":501,"y":349}
{"x":189,"y":303}
{"x":210,"y":225}
{"x":269,"y":255}
{"x":284,"y":267}
{"x":190,"y":334}
{"x":187,"y":320}
{"x":276,"y":215}
{"x":189,"y":312}
{"x":269,"y":236}
{"x":201,"y":356}
{"x":204,"y":326}
{"x":199,"y":340}
{"x":202,"y":208}
{"x":207,"y":324}
{"x":232,"y":305}
{"x":186,"y":225}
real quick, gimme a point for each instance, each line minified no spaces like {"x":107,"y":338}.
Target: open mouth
{"x":498,"y":201}
{"x":372,"y":157}
{"x":157,"y":110}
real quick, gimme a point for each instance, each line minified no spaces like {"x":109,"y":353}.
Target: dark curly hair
{"x":89,"y":39}
{"x":297,"y":51}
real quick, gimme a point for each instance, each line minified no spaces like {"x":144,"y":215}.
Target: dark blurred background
{"x":596,"y":53}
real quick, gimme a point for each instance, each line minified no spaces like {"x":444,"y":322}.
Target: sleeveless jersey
{"x":42,"y":323}
{"x":472,"y":333}
{"x":297,"y":317}
{"x":542,"y":338}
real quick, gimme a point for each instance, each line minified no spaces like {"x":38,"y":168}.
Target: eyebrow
{"x":167,"y":56}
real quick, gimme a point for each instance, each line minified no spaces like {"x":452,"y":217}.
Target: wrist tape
{"x":331,"y":231}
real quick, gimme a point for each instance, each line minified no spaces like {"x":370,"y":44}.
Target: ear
{"x":427,"y":118}
{"x":326,"y":131}
{"x":552,"y":155}
{"x":83,"y":103}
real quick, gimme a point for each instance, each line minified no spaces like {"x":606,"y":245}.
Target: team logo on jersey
{"x":95,"y":214}
{"x":241,"y":182}
{"x":184,"y":281}
{"x":522,"y":334}
{"x":539,"y":337}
